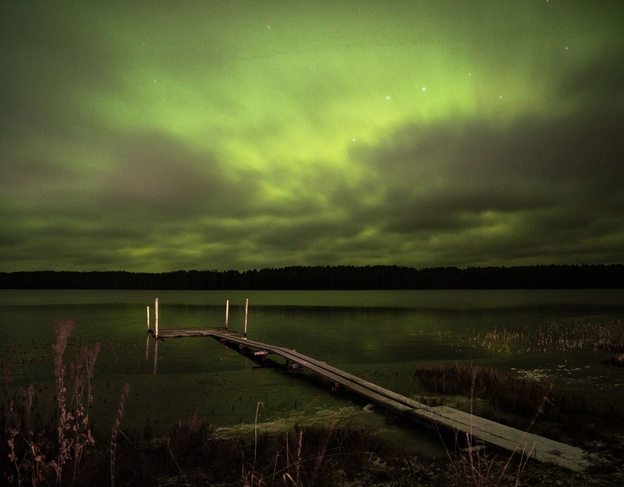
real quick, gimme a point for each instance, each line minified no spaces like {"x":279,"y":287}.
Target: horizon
{"x":258,"y":135}
{"x":363,"y":266}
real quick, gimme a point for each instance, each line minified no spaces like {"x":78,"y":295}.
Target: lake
{"x":381,"y":336}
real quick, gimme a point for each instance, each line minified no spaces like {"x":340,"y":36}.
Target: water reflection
{"x":381,"y":337}
{"x":155,"y":355}
{"x":172,"y":348}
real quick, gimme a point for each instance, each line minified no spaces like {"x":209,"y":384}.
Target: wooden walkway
{"x":443,"y":417}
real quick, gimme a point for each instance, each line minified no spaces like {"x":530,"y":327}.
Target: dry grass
{"x":60,"y":448}
{"x":559,"y":335}
{"x":505,"y":393}
{"x":617,"y":360}
{"x":475,"y":465}
{"x":115,"y":432}
{"x":45,"y":451}
{"x":50,"y":449}
{"x":325,"y":456}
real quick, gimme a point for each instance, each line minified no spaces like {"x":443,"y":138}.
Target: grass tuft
{"x":509,"y":394}
{"x":616,"y":360}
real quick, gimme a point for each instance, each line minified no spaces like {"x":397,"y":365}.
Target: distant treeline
{"x":329,"y":278}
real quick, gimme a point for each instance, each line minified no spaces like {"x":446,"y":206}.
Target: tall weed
{"x":473,"y":463}
{"x":43,"y":452}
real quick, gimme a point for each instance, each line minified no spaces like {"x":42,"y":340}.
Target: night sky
{"x":156,"y":136}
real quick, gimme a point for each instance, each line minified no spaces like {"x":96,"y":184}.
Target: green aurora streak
{"x":154,"y":136}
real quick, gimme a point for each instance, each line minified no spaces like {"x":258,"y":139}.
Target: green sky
{"x":155,"y":136}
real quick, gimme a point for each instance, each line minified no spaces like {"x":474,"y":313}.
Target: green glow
{"x":362,"y":132}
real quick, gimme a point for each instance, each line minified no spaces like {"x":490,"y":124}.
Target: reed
{"x":125,"y":393}
{"x":509,"y":394}
{"x":60,"y":450}
{"x":27,"y":443}
{"x":617,"y":360}
{"x":473,"y":463}
{"x":43,"y":451}
{"x":332,"y":455}
{"x":559,"y":335}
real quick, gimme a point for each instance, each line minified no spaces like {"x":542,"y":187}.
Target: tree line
{"x":331,"y":278}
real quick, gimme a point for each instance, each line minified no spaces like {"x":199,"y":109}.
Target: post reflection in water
{"x":155,"y":355}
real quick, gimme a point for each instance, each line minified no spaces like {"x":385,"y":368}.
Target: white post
{"x":246,"y":308}
{"x":148,"y":318}
{"x":227,"y":311}
{"x":156,"y":317}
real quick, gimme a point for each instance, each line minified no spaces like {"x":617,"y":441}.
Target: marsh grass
{"x":477,"y":465}
{"x":326,"y":455}
{"x":28,"y":442}
{"x":617,"y":360}
{"x":606,"y":335}
{"x":563,"y":415}
{"x":47,"y":445}
{"x":55,"y":444}
{"x":44,"y":450}
{"x":510,"y":394}
{"x":59,"y":448}
{"x":115,"y":431}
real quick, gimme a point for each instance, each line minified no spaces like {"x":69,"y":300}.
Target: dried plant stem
{"x":475,"y":467}
{"x":113,"y":446}
{"x":256,"y":434}
{"x":62,"y":330}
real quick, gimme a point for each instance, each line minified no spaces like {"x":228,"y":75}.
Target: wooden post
{"x":156,"y":317}
{"x":148,"y":318}
{"x":227,"y":311}
{"x":246,"y":308}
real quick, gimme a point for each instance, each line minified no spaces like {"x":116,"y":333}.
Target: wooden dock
{"x":439,"y":417}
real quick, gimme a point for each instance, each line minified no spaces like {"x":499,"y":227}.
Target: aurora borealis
{"x":155,"y":136}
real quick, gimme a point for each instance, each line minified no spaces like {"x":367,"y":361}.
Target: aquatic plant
{"x":509,"y":394}
{"x":561,"y":335}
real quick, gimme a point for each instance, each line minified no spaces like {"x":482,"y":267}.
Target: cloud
{"x":534,"y":184}
{"x":597,"y":83}
{"x":156,"y":174}
{"x":144,"y":137}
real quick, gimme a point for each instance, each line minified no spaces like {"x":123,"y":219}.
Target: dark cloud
{"x":598,"y":82}
{"x":242,"y":135}
{"x":48,"y":60}
{"x":532,"y":185}
{"x":156,"y":174}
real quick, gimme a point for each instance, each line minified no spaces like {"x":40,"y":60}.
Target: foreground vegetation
{"x":57,"y":445}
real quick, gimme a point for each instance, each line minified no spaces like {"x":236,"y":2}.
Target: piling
{"x":246,"y":308}
{"x":227,"y":311}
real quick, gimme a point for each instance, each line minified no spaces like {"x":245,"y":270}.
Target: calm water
{"x":381,"y":336}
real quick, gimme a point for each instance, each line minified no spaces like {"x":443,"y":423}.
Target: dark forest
{"x":331,"y":278}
